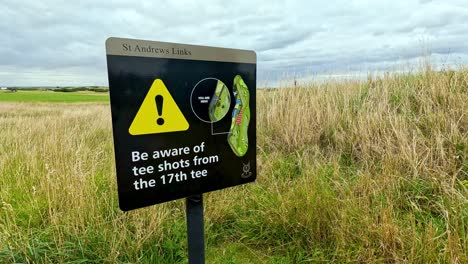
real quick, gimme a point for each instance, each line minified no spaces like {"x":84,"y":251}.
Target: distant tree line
{"x":98,"y":89}
{"x":78,"y":89}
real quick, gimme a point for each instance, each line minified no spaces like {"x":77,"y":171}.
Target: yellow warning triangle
{"x":158,"y":113}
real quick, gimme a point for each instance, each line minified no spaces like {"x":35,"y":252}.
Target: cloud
{"x":62,"y":43}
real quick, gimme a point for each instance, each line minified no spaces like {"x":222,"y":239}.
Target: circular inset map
{"x":210,"y":100}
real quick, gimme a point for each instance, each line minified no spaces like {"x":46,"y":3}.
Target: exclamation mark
{"x":159,"y":108}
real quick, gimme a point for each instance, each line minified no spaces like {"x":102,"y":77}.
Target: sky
{"x":61,"y":43}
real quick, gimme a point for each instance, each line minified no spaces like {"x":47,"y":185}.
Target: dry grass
{"x":372,"y":171}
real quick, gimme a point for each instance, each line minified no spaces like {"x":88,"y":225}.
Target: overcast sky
{"x":62,"y":42}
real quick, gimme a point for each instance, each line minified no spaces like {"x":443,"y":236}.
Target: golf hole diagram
{"x":211,"y":101}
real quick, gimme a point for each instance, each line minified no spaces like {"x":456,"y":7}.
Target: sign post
{"x":184,"y":123}
{"x":195,"y":229}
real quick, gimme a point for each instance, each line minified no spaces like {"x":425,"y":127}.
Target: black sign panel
{"x":183,"y":119}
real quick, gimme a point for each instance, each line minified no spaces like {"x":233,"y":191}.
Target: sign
{"x":183,"y":119}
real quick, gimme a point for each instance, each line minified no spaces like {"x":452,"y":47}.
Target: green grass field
{"x":49,"y":96}
{"x":372,"y":171}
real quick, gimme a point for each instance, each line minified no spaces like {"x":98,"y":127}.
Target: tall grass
{"x":364,"y":171}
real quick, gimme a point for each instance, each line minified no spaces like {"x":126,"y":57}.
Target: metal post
{"x":195,"y":229}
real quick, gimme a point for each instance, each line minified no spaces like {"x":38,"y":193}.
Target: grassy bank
{"x":372,"y":171}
